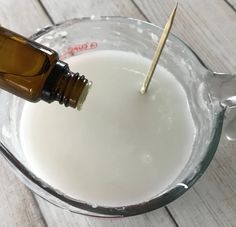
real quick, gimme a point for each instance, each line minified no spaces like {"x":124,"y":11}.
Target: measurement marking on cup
{"x":71,"y":51}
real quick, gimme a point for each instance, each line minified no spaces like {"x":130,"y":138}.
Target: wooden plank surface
{"x":211,"y":202}
{"x":68,"y":10}
{"x":209,"y":28}
{"x":54,"y":215}
{"x":232,"y":3}
{"x":18,"y":206}
{"x":23,"y":16}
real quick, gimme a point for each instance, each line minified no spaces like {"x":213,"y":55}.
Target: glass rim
{"x":122,"y":211}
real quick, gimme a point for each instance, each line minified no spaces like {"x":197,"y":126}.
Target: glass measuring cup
{"x":208,"y":93}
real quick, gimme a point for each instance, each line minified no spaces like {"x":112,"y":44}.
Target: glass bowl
{"x":209,"y":95}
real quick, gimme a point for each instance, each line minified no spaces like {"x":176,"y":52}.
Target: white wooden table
{"x":209,"y":27}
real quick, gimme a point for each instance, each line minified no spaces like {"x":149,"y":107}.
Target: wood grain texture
{"x":18,"y":206}
{"x":232,"y":3}
{"x":63,"y":9}
{"x":55,"y":215}
{"x":210,"y":29}
{"x":23,"y":16}
{"x":211,"y":202}
{"x":217,"y":188}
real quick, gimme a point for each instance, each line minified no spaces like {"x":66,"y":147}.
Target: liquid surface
{"x":122,"y":148}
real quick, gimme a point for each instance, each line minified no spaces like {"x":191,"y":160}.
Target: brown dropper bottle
{"x":34,"y":72}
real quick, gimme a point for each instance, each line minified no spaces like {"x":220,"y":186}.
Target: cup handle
{"x":223,"y":87}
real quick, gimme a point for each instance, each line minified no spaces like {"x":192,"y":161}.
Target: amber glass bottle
{"x":34,"y":72}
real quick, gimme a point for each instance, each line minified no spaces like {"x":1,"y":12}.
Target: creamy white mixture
{"x":122,"y":147}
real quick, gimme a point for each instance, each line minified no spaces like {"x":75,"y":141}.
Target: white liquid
{"x":123,"y":147}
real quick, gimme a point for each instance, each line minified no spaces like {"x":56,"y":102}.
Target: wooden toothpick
{"x":158,"y":51}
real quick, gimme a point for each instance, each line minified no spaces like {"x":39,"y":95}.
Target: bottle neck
{"x":66,"y":87}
